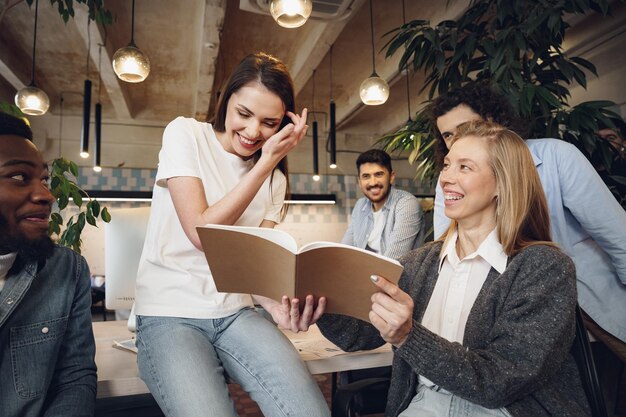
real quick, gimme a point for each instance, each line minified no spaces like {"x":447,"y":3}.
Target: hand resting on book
{"x":392,"y":311}
{"x":288,"y":314}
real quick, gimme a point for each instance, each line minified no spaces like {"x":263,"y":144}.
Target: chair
{"x":369,"y":396}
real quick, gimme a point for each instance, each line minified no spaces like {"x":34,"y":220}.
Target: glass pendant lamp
{"x":130,"y":63}
{"x":291,"y":13}
{"x":32,"y":100}
{"x":373,"y":90}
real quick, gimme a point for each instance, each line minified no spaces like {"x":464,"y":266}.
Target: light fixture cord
{"x":372,"y":30}
{"x":99,"y":70}
{"x":313,"y":99}
{"x":406,"y":70}
{"x":32,"y":78}
{"x":132,"y":26}
{"x":331,"y":72}
{"x":88,"y":47}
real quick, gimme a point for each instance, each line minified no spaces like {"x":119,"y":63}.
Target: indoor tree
{"x":516,"y":47}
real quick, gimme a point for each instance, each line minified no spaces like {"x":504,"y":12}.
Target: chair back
{"x":581,"y":350}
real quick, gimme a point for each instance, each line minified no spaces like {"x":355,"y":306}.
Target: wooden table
{"x":118,"y":374}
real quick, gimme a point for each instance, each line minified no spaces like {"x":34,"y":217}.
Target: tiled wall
{"x":344,"y":187}
{"x":305,"y":222}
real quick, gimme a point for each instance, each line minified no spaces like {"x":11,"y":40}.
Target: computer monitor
{"x":123,"y":242}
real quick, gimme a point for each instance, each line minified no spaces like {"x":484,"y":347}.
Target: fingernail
{"x":374,"y":278}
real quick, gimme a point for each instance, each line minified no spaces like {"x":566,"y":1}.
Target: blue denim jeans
{"x":435,"y":402}
{"x":186,"y":362}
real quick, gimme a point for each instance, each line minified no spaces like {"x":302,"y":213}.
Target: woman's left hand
{"x":287,"y":315}
{"x":392,"y":312}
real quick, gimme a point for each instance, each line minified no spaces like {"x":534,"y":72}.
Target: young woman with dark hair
{"x":191,"y":338}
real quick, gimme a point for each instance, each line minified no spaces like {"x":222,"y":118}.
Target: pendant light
{"x":84,"y":136}
{"x":130,"y":63}
{"x":32,"y":100}
{"x":374,"y":90}
{"x":332,"y":131}
{"x":98,"y":128}
{"x":316,"y":165}
{"x":291,"y":13}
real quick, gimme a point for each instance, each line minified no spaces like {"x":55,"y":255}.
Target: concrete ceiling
{"x":194,"y":44}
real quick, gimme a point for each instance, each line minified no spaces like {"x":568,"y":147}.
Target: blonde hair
{"x":522,"y":217}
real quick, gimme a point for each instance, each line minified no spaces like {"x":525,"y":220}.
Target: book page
{"x":249,"y":263}
{"x":342,"y":275}
{"x":279,"y":237}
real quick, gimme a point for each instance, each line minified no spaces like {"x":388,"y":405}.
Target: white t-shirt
{"x":174,"y":278}
{"x":373,"y":241}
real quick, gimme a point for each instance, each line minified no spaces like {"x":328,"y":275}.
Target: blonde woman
{"x":483,"y":319}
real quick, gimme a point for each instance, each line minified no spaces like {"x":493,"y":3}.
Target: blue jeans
{"x":185,"y":363}
{"x":434,"y":402}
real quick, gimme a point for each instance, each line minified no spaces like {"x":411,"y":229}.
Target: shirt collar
{"x":490,"y":250}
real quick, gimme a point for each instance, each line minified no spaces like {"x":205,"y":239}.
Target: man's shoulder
{"x":549,"y":146}
{"x":399,"y":194}
{"x":65,"y":257}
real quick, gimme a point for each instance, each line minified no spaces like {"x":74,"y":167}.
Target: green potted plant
{"x":517,"y":48}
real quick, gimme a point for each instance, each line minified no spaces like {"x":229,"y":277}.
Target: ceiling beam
{"x":7,"y":73}
{"x":312,"y":45}
{"x":118,"y":95}
{"x":208,"y":49}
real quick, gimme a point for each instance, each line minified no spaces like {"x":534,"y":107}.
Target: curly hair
{"x":484,"y":101}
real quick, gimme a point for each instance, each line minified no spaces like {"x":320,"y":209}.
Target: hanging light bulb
{"x":291,"y":13}
{"x":374,"y":90}
{"x":97,"y":167}
{"x":130,"y":63}
{"x":32,"y":100}
{"x":96,"y":163}
{"x":316,"y":164}
{"x":84,"y":135}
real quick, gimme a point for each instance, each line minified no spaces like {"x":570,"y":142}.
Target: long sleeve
{"x":72,"y":391}
{"x":348,"y":333}
{"x":589,"y":200}
{"x":517,"y":336}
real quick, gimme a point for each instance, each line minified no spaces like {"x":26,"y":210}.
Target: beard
{"x":382,"y":197}
{"x":29,"y":250}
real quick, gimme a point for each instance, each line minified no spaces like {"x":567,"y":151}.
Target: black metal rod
{"x":84,"y":137}
{"x":32,"y":78}
{"x":316,"y":165}
{"x":132,"y":26}
{"x":332,"y":135}
{"x":98,"y":132}
{"x":372,"y":29}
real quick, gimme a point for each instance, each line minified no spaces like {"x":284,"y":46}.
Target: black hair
{"x":374,"y":156}
{"x":11,"y":125}
{"x":484,"y":101}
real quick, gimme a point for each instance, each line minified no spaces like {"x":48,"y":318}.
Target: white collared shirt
{"x":458,"y":285}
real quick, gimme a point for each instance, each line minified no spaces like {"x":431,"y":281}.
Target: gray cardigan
{"x":515,"y":352}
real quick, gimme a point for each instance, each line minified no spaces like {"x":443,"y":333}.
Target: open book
{"x":267,"y":262}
